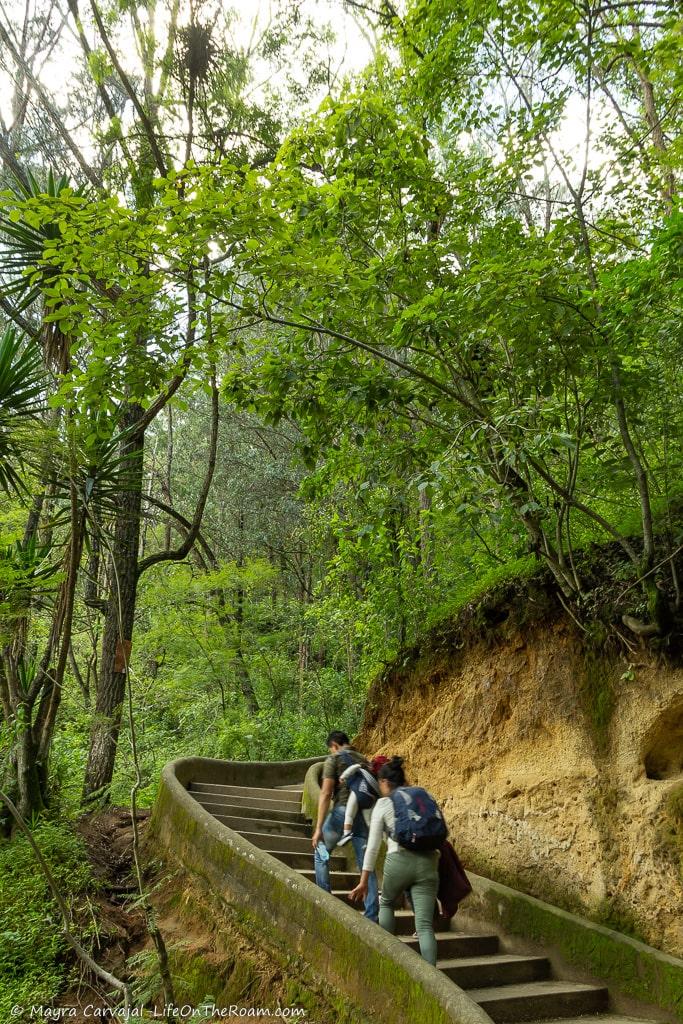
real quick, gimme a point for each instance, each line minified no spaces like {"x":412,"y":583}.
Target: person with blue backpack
{"x":334,"y":795}
{"x":415,"y":828}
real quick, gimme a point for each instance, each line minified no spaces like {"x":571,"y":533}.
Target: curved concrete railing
{"x":375,"y":970}
{"x":311,"y":793}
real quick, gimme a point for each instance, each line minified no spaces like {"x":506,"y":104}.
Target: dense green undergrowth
{"x":34,"y":964}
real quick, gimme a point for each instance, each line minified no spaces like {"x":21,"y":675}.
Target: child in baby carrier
{"x":363,"y":793}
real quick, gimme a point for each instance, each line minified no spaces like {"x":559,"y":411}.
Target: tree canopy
{"x":313,"y":376}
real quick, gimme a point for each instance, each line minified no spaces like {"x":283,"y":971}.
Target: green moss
{"x":194,"y":981}
{"x":597,"y":691}
{"x":614,"y":913}
{"x":245,"y":967}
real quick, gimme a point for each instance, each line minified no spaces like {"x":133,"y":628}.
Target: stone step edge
{"x":490,"y":958}
{"x":450,"y":935}
{"x":527,"y":989}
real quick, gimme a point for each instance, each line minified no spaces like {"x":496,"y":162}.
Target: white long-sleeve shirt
{"x":352,"y":802}
{"x":382,"y":823}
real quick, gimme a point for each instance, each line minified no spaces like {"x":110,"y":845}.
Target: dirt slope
{"x":560,"y":772}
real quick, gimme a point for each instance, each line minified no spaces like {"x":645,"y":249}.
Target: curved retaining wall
{"x":388,"y":981}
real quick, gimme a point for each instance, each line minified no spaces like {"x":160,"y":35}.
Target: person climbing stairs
{"x":507,"y":986}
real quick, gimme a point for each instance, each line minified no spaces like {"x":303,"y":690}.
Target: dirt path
{"x":120,"y":927}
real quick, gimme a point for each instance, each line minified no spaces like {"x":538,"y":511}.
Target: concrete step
{"x":451,"y":944}
{"x":535,"y":999}
{"x":403,"y":919}
{"x":242,"y":800}
{"x":214,"y":805}
{"x":603,"y":1018}
{"x":497,"y":969}
{"x":265,"y":826}
{"x":338,"y":879}
{"x":258,"y":792}
{"x":343,"y":895}
{"x":509,"y":988}
{"x":302,"y":861}
{"x":272,"y":841}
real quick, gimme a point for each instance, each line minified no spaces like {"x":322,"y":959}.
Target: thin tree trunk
{"x":651,"y":116}
{"x":119,"y":619}
{"x":425,"y":504}
{"x":47,"y":713}
{"x":241,"y":670}
{"x":169,"y":470}
{"x":29,"y":778}
{"x":638,"y":470}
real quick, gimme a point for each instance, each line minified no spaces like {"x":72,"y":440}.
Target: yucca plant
{"x":21,"y":401}
{"x":23,"y":237}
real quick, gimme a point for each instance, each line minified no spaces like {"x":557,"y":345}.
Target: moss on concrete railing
{"x":373,"y":969}
{"x":630,"y":968}
{"x":311,"y":793}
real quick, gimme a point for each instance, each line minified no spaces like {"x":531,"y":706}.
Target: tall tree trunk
{"x":241,"y":669}
{"x":425,"y":508}
{"x":20,"y":689}
{"x":119,"y":618}
{"x":44,"y":727}
{"x":30,"y":779}
{"x":23,"y":776}
{"x":169,"y":470}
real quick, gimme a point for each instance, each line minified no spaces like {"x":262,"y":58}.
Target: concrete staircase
{"x":506,"y":986}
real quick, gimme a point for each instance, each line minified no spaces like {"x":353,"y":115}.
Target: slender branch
{"x":88,"y":171}
{"x":317,"y":328}
{"x":155,"y":407}
{"x":128,"y":86}
{"x":10,"y":160}
{"x":16,"y":317}
{"x":177,"y":554}
{"x":580,"y":507}
{"x":669,"y":558}
{"x":185,"y":523}
{"x":104,"y":95}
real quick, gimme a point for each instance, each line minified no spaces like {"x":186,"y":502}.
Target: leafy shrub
{"x":32,"y":944}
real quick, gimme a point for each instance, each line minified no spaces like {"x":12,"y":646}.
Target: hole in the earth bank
{"x":664,"y":745}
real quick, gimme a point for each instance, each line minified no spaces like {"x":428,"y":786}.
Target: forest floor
{"x":233,"y":963}
{"x":119,"y":922}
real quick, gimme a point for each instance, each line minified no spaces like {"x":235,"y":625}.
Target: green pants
{"x":418,"y":872}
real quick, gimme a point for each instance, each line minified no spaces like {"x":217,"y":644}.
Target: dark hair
{"x":337,"y":737}
{"x":393,"y":772}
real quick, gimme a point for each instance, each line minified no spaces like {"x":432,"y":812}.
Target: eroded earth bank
{"x":560,"y":769}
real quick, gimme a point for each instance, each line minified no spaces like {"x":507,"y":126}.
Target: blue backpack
{"x":419,"y":822}
{"x":362,"y":782}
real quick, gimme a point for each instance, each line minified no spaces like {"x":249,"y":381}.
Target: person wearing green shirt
{"x":334,"y":794}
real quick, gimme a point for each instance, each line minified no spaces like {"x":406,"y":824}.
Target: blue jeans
{"x":333,"y":826}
